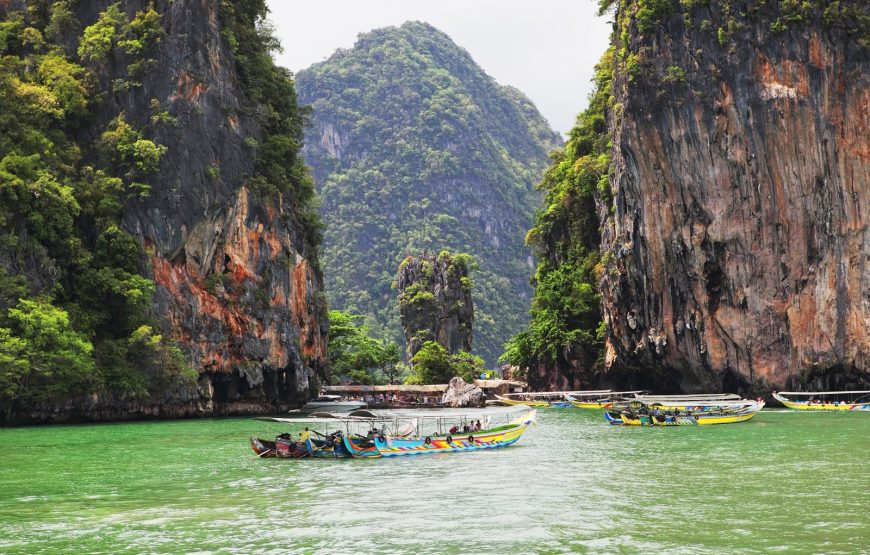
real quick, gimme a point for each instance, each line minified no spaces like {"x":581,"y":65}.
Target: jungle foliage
{"x":417,"y":150}
{"x":75,"y":305}
{"x":565,"y":315}
{"x":434,"y":365}
{"x":357,"y":356}
{"x":73,"y":300}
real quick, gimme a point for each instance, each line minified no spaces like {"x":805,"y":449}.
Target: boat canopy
{"x":400,"y":414}
{"x":557,"y":393}
{"x":607,"y":393}
{"x":813,"y":393}
{"x":699,"y":396}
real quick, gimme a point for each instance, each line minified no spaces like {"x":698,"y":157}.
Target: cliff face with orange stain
{"x":737,"y":242}
{"x":238,"y":283}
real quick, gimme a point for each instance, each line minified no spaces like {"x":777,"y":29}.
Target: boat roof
{"x":392,"y":416}
{"x":552,"y":393}
{"x":700,"y":396}
{"x":700,"y":402}
{"x":607,"y":392}
{"x":818,"y":392}
{"x":427,"y":388}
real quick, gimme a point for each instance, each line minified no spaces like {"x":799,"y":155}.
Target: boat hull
{"x":593,"y":404}
{"x":394,"y":447}
{"x":803,"y":405}
{"x":694,"y":420}
{"x":517,"y":402}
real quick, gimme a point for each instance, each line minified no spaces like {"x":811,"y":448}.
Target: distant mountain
{"x":416,"y":149}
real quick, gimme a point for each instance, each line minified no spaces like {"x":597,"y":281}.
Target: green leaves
{"x":434,"y":365}
{"x":41,"y":355}
{"x":565,"y":314}
{"x":100,"y":38}
{"x":423,"y":151}
{"x":130,"y":153}
{"x":356,"y":355}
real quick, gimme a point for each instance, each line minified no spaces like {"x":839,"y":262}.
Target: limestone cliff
{"x":435,"y":302}
{"x":737,"y":240}
{"x":225,"y":230}
{"x":238,"y":281}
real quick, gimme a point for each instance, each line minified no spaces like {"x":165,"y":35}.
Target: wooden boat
{"x":493,"y":438}
{"x":332,"y":403}
{"x":384,"y":442}
{"x":703,"y":402}
{"x":527,"y":399}
{"x":285,"y":447}
{"x":598,"y":399}
{"x":825,"y":400}
{"x":554,"y":399}
{"x":658,"y":417}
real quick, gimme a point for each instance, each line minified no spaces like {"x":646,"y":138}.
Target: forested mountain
{"x":726,"y":150}
{"x":158,"y":250}
{"x":415,"y":149}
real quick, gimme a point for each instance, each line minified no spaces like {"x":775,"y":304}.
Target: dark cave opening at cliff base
{"x":677,"y":381}
{"x":832,"y":378}
{"x":655,"y":380}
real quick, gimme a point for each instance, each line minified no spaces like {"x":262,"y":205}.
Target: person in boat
{"x":477,"y":426}
{"x":304,"y":435}
{"x":454,"y":429}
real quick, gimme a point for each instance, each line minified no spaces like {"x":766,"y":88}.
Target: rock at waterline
{"x":461,"y":394}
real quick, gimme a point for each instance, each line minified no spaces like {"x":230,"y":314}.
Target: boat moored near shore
{"x":374,"y":436}
{"x":825,"y":400}
{"x":639,"y":414}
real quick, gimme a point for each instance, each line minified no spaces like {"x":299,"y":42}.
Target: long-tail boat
{"x":563,"y":399}
{"x":599,"y":399}
{"x":653,"y":416}
{"x":825,"y":400}
{"x":389,"y":437}
{"x":709,"y":402}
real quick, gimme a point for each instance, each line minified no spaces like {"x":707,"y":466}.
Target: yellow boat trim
{"x":703,"y":421}
{"x":515,"y":402}
{"x":823,"y":406}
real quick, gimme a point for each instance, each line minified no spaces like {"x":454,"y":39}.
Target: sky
{"x":545,"y":48}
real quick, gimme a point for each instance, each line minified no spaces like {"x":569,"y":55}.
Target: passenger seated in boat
{"x":454,"y":429}
{"x":304,"y":435}
{"x":477,"y":426}
{"x":466,"y":428}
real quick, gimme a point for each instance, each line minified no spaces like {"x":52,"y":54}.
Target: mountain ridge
{"x":416,"y":149}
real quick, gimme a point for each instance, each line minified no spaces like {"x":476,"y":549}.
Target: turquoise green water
{"x":784,"y":482}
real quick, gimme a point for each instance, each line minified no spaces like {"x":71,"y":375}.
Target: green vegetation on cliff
{"x":75,"y":299}
{"x":272,"y":98}
{"x":357,"y":356}
{"x":432,"y":364}
{"x":83,"y":301}
{"x":415,"y":149}
{"x":565,"y":316}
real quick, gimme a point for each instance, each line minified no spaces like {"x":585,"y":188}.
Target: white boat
{"x":332,"y":403}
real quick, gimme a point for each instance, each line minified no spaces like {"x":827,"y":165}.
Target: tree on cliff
{"x":41,"y":355}
{"x":62,"y":193}
{"x":415,"y":149}
{"x":434,"y":365}
{"x":356,"y":355}
{"x":565,"y":316}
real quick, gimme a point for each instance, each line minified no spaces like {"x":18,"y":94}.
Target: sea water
{"x":785,"y":482}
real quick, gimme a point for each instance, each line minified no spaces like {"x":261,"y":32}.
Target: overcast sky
{"x":545,"y":48}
